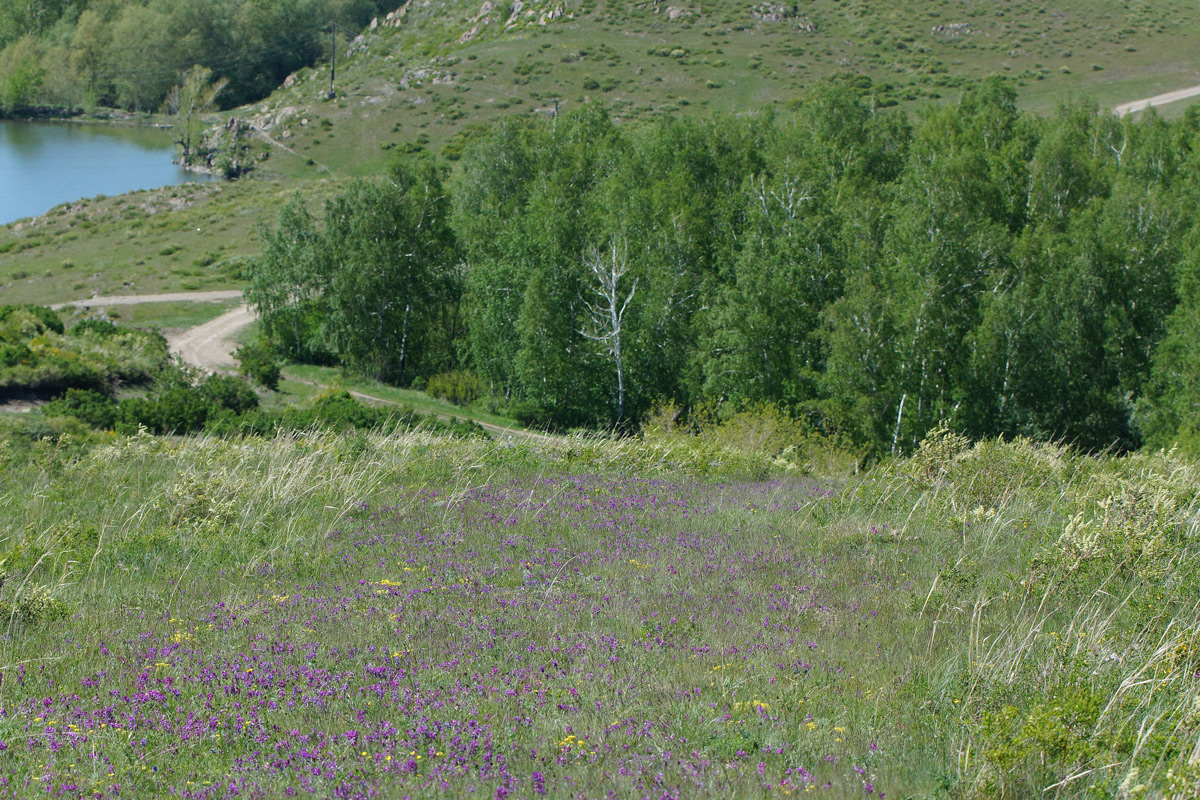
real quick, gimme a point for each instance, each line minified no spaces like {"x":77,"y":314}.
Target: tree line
{"x":872,"y":273}
{"x":130,"y":53}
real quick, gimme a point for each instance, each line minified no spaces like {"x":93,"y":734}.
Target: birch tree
{"x":390,"y":272}
{"x":284,"y":282}
{"x":606,"y":313}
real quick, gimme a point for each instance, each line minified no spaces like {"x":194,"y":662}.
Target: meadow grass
{"x":661,"y":616}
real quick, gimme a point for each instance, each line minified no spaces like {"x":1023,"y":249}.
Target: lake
{"x":43,"y":164}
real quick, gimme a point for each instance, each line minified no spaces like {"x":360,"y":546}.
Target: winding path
{"x":210,"y":345}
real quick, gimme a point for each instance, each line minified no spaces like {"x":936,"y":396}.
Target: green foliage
{"x":35,"y":606}
{"x":937,"y":452}
{"x":390,"y":282}
{"x":96,"y":409}
{"x":178,"y":405}
{"x":257,"y":361}
{"x":38,"y":357}
{"x":377,"y":287}
{"x":195,"y":95}
{"x":101,"y":328}
{"x":131,"y":54}
{"x":1167,"y":412}
{"x":759,"y":430}
{"x":458,"y":387}
{"x":16,"y":324}
{"x":21,"y":74}
{"x":336,"y":410}
{"x":874,"y":278}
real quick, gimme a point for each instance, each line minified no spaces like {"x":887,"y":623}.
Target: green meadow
{"x":349,"y":615}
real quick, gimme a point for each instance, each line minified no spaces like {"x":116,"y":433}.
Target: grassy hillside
{"x":428,"y":72}
{"x":190,"y":237}
{"x":347,"y":615}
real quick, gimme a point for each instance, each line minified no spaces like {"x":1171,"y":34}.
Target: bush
{"x":46,"y":318}
{"x":88,"y":405}
{"x":338,"y":410}
{"x":457,"y":387}
{"x":179,"y":407}
{"x":257,"y":362}
{"x":532,"y":415}
{"x":100,"y":327}
{"x":177,"y":410}
{"x":36,"y":358}
{"x":12,"y":355}
{"x":229,"y":393}
{"x":759,"y":429}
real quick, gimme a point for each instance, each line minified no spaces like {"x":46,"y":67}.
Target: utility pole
{"x":332,"y":58}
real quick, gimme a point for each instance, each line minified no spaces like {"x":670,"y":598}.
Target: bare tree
{"x":607,"y":313}
{"x":195,"y":95}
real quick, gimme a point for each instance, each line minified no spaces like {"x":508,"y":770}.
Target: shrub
{"x":229,"y":393}
{"x":458,"y":387}
{"x":338,"y":410}
{"x":34,"y":606}
{"x":177,"y":410}
{"x":100,"y":327}
{"x":43,"y":319}
{"x":257,"y":362}
{"x":88,"y":405}
{"x":12,"y":355}
{"x":178,"y":406}
{"x":532,"y":415}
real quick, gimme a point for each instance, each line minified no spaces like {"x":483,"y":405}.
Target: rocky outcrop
{"x":951,"y":30}
{"x":773,"y":12}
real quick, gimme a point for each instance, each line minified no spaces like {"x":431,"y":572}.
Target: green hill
{"x":425,"y":73}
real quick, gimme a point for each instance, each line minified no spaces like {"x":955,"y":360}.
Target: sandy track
{"x":1157,"y":100}
{"x":134,"y":299}
{"x":210,"y":346}
{"x":498,"y":431}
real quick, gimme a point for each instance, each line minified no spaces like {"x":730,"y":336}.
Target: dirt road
{"x":497,"y":431}
{"x":134,"y":299}
{"x":1157,"y":100}
{"x":210,"y":346}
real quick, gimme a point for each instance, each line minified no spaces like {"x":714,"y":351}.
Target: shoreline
{"x":114,"y":116}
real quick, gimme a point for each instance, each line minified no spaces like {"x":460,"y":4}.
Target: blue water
{"x":43,"y":164}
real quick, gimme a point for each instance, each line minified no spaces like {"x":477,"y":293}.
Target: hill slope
{"x":427,"y":71}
